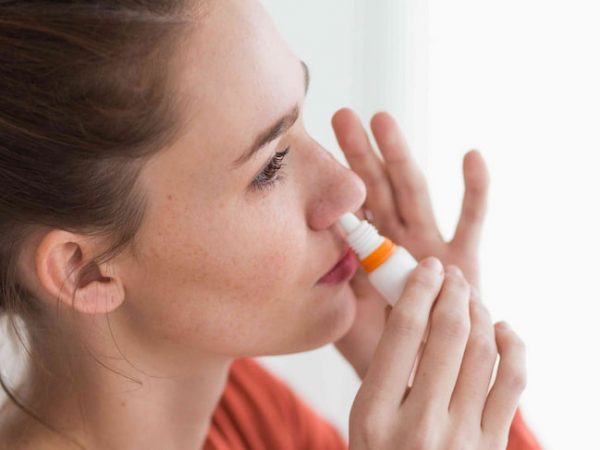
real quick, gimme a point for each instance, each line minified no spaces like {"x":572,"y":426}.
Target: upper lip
{"x":344,"y":252}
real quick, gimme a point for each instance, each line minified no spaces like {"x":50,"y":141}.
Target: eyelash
{"x":267,"y":179}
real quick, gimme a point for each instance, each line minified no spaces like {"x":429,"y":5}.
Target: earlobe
{"x":62,"y":267}
{"x":99,"y":296}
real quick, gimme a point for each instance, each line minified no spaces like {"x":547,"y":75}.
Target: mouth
{"x":343,"y":270}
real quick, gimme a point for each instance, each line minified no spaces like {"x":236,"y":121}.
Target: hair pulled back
{"x":86,"y":95}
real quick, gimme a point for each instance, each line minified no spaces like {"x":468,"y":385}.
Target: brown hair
{"x":86,"y":96}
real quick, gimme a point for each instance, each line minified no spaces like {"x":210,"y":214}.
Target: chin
{"x":328,"y":320}
{"x":334,"y":320}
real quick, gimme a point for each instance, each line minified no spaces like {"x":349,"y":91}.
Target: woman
{"x":165,"y":217}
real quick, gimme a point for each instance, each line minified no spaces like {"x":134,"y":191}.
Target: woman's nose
{"x":335,"y":191}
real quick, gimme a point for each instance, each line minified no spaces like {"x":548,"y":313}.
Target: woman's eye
{"x":271,"y":173}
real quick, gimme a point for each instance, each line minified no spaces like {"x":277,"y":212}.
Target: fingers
{"x":477,"y":366}
{"x":354,"y":142}
{"x":510,"y":382}
{"x":387,"y":377}
{"x":440,"y":365}
{"x":476,"y":177}
{"x":414,"y":203}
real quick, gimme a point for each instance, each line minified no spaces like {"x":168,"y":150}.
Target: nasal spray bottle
{"x":386,"y":263}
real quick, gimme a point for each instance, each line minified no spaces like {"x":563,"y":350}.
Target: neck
{"x":113,"y":399}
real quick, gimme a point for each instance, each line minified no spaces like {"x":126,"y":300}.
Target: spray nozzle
{"x":349,"y":222}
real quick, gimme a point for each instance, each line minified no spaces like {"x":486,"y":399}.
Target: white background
{"x":520,"y":81}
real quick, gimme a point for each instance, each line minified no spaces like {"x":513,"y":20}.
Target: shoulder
{"x":275,"y":403}
{"x":268,"y":389}
{"x":253,"y":386}
{"x":249,"y":373}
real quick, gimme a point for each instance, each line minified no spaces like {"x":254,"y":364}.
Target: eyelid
{"x":275,"y":156}
{"x":266,"y":179}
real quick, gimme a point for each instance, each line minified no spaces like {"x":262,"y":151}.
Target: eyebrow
{"x":280,"y":127}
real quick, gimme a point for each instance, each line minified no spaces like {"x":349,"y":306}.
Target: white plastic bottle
{"x":386,"y":263}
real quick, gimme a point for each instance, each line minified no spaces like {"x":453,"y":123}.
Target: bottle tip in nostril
{"x":349,"y":222}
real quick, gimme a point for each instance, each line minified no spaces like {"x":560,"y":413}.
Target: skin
{"x":444,"y":404}
{"x":220,"y":270}
{"x":399,"y":205}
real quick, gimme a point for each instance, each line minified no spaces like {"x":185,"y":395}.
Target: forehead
{"x":237,"y":75}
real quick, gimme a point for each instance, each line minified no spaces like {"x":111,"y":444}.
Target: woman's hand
{"x":399,"y":206}
{"x":449,"y":404}
{"x":398,"y":198}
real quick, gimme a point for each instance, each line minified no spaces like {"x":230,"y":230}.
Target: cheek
{"x":265,"y":271}
{"x":275,"y":263}
{"x":229,"y":276}
{"x":261,"y":251}
{"x":249,"y":272}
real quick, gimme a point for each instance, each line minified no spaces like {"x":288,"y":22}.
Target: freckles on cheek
{"x":276,"y":267}
{"x":274,"y":251}
{"x":174,"y":253}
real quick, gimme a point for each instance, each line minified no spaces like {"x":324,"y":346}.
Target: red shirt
{"x":258,"y":411}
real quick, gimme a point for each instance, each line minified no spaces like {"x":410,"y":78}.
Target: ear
{"x":59,"y":259}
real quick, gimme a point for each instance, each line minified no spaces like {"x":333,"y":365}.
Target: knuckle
{"x":417,"y":187}
{"x":452,"y":323}
{"x":366,"y":424}
{"x":388,"y":222}
{"x":475,"y":214}
{"x":458,"y":284}
{"x":405,"y":322}
{"x":421,"y":442}
{"x":518,"y":381}
{"x":480,"y":313}
{"x":495,"y":441}
{"x":375,"y":183}
{"x":423,"y":435}
{"x":478,"y":187}
{"x":461,"y":441}
{"x":483,"y":344}
{"x":515,"y":377}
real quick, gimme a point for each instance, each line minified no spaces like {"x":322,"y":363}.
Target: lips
{"x":343,"y":269}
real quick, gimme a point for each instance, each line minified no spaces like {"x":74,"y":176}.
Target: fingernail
{"x":433,"y":264}
{"x":454,"y":270}
{"x":503,"y":326}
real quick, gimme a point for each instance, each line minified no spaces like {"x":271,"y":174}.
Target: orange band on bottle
{"x":379,"y":256}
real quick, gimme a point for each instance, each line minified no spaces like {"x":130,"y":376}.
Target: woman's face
{"x":226,"y":265}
